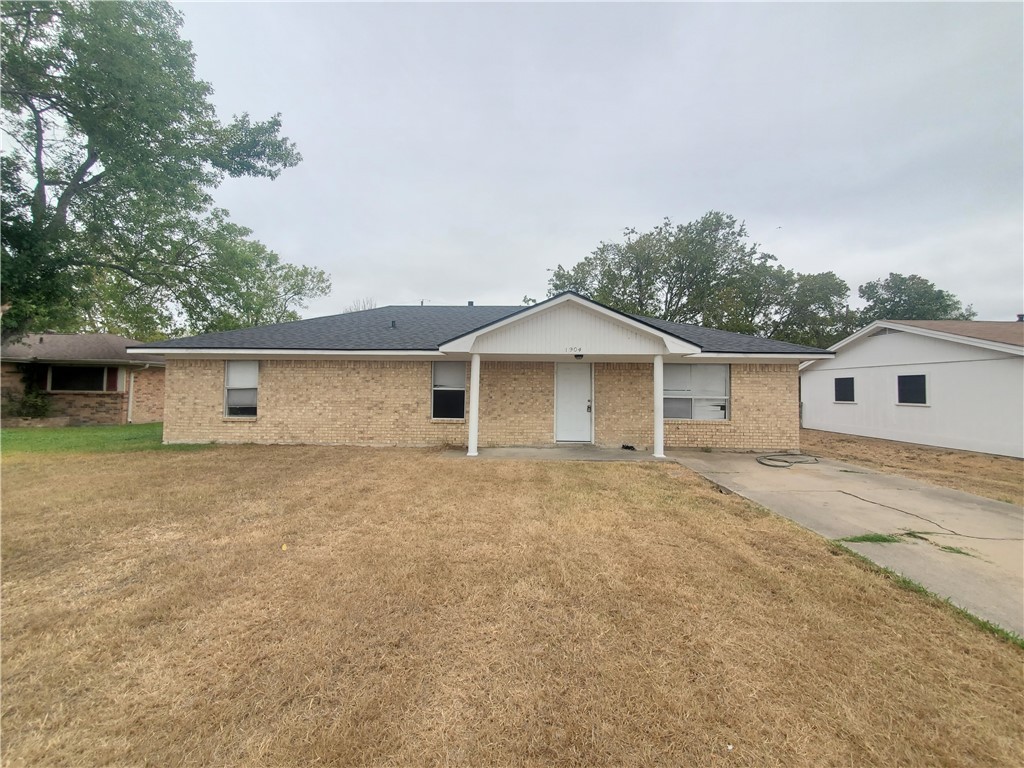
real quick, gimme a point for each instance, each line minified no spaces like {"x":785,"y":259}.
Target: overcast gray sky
{"x":457,"y":152}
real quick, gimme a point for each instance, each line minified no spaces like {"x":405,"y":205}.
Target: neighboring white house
{"x":948,"y":383}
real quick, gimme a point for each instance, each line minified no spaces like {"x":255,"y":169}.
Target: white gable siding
{"x":903,"y":348}
{"x":568,"y":328}
{"x":975,"y":396}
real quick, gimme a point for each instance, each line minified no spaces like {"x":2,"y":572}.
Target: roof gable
{"x":937,"y":330}
{"x":569,"y":324}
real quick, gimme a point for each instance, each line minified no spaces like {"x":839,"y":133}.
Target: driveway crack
{"x":937,"y":525}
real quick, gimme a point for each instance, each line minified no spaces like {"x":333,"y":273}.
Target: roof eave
{"x":279,"y":352}
{"x":83,"y":361}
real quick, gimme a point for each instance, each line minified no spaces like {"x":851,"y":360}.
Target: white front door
{"x":573,"y":409}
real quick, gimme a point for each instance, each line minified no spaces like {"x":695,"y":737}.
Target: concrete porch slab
{"x":567,"y":452}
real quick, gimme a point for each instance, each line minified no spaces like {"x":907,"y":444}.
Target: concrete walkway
{"x":841,"y":500}
{"x":563,"y":452}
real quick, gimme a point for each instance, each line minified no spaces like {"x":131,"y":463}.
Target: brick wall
{"x":10,"y":380}
{"x":148,"y":403}
{"x":764,"y":410}
{"x":624,"y":404}
{"x":373,"y":402}
{"x":517,"y":403}
{"x":378,"y":402}
{"x":764,"y":413}
{"x":90,"y":408}
{"x":73,"y":408}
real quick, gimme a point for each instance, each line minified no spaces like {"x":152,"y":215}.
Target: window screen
{"x":699,"y":392}
{"x":844,"y":390}
{"x":241,"y":386}
{"x":78,"y":378}
{"x":448,"y":399}
{"x":911,"y":390}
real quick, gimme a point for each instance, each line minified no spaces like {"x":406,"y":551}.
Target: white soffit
{"x":569,"y":325}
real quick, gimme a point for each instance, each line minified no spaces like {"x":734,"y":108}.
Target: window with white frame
{"x":241,"y":385}
{"x":698,"y":392}
{"x":449,"y":391}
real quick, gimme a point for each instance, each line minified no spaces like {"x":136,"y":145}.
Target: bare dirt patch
{"x":994,"y":477}
{"x":290,"y":605}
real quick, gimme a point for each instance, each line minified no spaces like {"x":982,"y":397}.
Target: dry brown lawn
{"x":994,"y":477}
{"x":302,"y":606}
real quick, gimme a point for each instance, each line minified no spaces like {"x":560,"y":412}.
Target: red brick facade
{"x":95,"y":408}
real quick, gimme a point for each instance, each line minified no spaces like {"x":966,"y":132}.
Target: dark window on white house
{"x":699,"y":392}
{"x":241,"y":386}
{"x":911,"y":390}
{"x":449,"y":391}
{"x":844,"y":390}
{"x":82,"y":378}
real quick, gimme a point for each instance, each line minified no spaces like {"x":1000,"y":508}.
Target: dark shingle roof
{"x":714,"y":340}
{"x":417,"y":328}
{"x":76,"y":347}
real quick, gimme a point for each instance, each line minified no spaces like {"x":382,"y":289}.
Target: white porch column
{"x":659,"y":408}
{"x":474,"y":404}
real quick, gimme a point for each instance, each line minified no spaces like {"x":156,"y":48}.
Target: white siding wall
{"x":975,"y":396}
{"x":569,"y":329}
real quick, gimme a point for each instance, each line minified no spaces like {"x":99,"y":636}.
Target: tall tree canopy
{"x":708,"y":272}
{"x":898,"y":297}
{"x":107,"y":214}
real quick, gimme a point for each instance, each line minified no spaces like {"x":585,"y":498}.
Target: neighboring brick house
{"x":567,"y":370}
{"x":88,"y":378}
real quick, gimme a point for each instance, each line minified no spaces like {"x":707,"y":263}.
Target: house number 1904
{"x":573,"y":350}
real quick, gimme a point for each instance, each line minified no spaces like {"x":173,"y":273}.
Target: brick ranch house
{"x":89,"y":378}
{"x":566,"y":370}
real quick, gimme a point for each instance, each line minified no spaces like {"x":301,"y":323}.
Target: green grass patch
{"x":909,"y":584}
{"x":872,"y":538}
{"x":955,"y":550}
{"x":120,"y":439}
{"x":916,"y":535}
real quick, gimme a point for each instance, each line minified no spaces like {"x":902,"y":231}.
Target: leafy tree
{"x":686,"y":273}
{"x":707,"y":272}
{"x":899,"y":297}
{"x":217,"y":280}
{"x":814,"y":311}
{"x":115,"y":148}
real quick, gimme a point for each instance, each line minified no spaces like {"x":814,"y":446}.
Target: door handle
{"x":588,"y":406}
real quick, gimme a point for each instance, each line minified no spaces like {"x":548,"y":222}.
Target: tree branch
{"x":73,"y":188}
{"x":39,"y":195}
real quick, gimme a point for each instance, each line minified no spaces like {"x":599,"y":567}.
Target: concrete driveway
{"x":842,"y":500}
